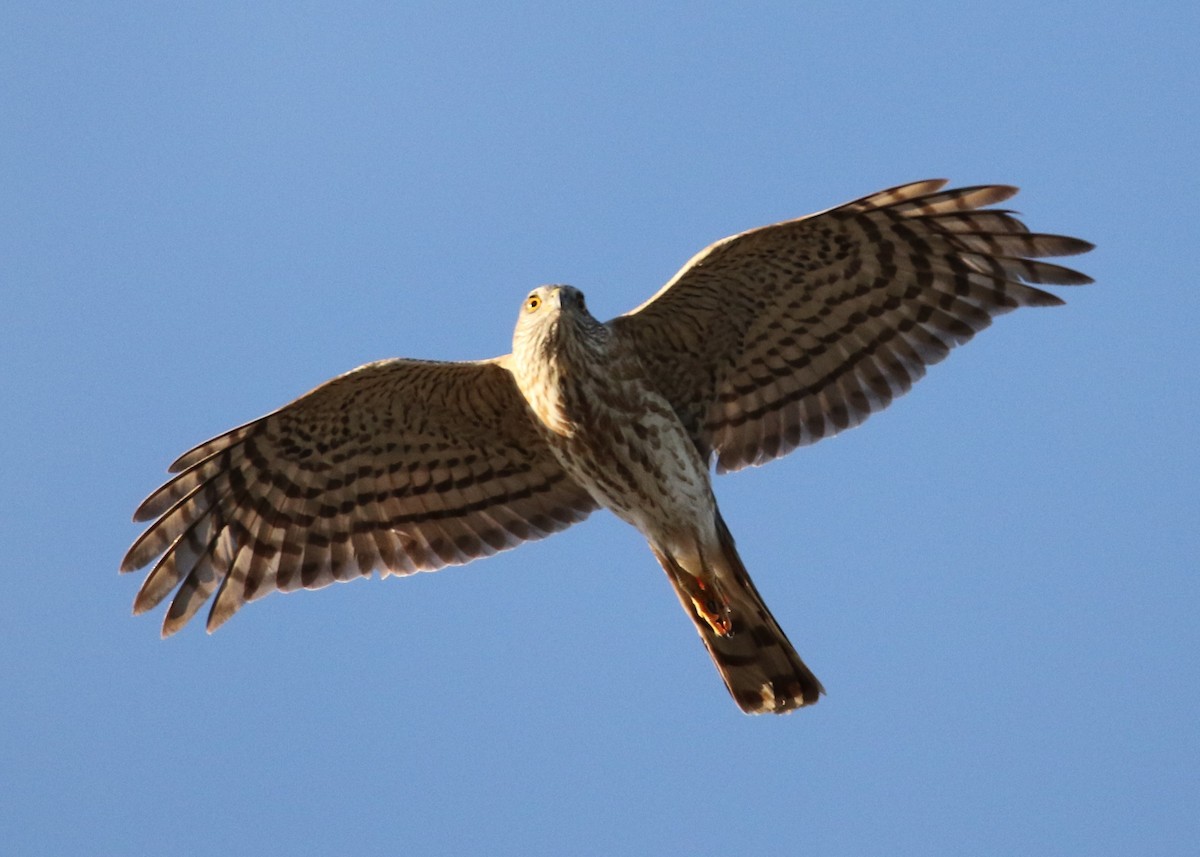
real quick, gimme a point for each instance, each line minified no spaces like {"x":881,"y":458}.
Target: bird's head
{"x":550,"y":315}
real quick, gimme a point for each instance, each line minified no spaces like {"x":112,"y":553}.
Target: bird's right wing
{"x":397,"y":466}
{"x":783,"y":335}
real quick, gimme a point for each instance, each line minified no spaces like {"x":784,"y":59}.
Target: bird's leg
{"x":709,"y":603}
{"x":707,"y":600}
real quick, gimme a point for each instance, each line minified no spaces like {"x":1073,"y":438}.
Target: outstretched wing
{"x":783,"y":335}
{"x":398,"y":466}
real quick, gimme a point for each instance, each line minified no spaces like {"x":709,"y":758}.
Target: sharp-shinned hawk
{"x":763,"y":342}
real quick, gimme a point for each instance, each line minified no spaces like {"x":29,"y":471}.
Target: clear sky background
{"x":207,"y":209}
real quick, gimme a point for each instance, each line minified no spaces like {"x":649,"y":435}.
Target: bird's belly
{"x":646,"y":470}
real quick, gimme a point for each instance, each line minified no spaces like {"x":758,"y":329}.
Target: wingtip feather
{"x":171,"y":624}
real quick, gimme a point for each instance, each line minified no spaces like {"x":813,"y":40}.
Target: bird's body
{"x":617,"y":436}
{"x":605,"y":421}
{"x":763,"y":342}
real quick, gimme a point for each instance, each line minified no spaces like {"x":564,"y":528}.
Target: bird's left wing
{"x":397,"y":466}
{"x":783,"y":335}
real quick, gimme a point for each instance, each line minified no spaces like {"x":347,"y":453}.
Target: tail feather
{"x":761,"y":669}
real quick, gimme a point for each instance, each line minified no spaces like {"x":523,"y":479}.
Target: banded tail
{"x":761,"y":669}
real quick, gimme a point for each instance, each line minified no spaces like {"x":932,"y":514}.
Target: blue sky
{"x":207,"y":209}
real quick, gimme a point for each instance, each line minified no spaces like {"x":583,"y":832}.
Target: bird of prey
{"x":763,"y":342}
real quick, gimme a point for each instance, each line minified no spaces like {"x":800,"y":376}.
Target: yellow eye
{"x":532,"y":303}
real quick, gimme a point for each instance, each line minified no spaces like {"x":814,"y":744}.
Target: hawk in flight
{"x":763,"y":342}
